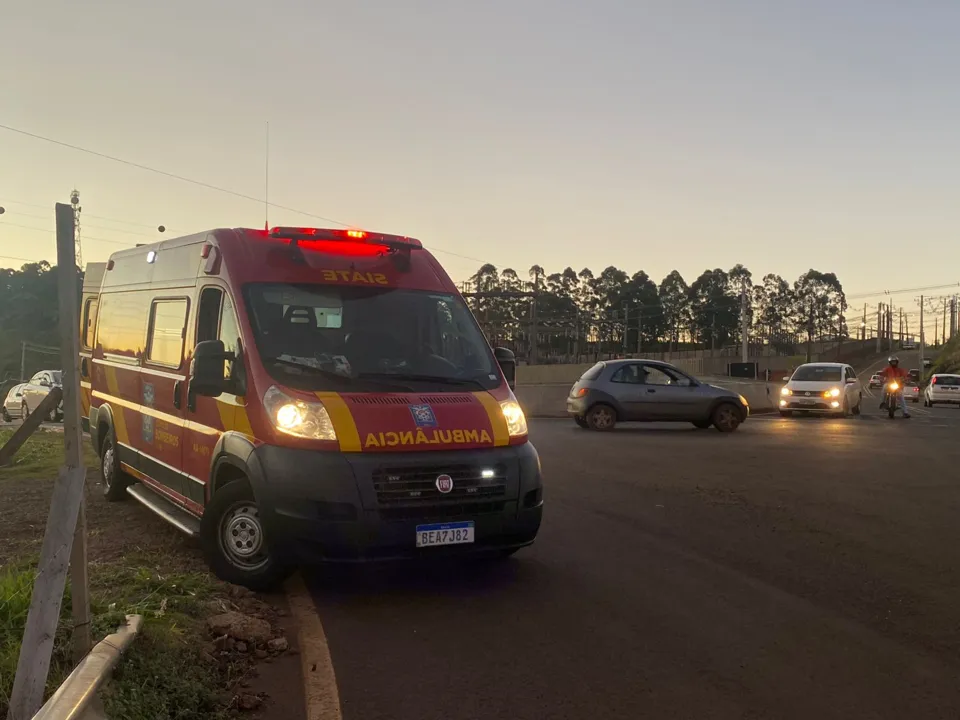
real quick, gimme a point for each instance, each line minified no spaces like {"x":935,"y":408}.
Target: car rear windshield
{"x":947,"y":380}
{"x":359,"y":339}
{"x":816,"y":373}
{"x":593,"y":373}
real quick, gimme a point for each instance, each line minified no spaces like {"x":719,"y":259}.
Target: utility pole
{"x":744,"y":326}
{"x":864,"y":324}
{"x":921,"y":333}
{"x":943,"y":325}
{"x":879,"y":333}
{"x":640,"y":331}
{"x":901,"y":327}
{"x":75,"y":203}
{"x":23,"y":360}
{"x":626,"y":328}
{"x":533,"y":317}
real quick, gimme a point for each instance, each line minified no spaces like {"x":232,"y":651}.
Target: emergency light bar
{"x":397,"y":242}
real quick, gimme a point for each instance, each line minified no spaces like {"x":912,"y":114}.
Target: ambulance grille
{"x":446,"y":399}
{"x":378,"y":400}
{"x":407,"y":493}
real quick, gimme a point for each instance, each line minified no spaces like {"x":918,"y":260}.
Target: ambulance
{"x":297,"y":395}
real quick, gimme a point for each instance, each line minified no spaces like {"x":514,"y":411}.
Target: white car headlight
{"x":516,"y":421}
{"x":786,"y":391}
{"x":296,"y":417}
{"x":833,"y":392}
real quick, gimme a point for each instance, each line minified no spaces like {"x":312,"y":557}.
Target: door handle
{"x":177,"y":387}
{"x":651,"y":390}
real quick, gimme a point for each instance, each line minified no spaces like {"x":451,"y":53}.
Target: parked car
{"x":875,"y":381}
{"x":36,"y":389}
{"x":927,"y":362}
{"x":650,"y":391}
{"x":826,"y":388}
{"x":943,"y":388}
{"x":13,"y":402}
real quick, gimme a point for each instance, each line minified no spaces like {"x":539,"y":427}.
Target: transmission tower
{"x":75,"y":202}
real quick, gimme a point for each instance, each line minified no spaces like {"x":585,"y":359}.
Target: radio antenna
{"x":266,"y":183}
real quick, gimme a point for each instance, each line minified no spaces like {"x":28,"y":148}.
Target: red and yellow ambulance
{"x":305,"y":394}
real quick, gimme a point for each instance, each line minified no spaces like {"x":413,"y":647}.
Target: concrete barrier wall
{"x":550,"y":399}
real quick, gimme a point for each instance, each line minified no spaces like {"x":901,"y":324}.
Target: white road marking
{"x":319,"y":681}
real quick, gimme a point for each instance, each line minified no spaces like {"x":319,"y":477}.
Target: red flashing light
{"x":295,"y":234}
{"x":205,"y":250}
{"x":933,"y":382}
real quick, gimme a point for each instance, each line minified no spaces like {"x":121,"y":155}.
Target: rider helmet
{"x":893,"y":360}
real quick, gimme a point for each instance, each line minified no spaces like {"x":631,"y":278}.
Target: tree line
{"x":573,"y":313}
{"x":568,"y":313}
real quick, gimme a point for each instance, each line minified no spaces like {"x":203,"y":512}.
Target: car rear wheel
{"x":6,"y":416}
{"x":601,"y":418}
{"x":726,"y":418}
{"x":581,"y":421}
{"x":24,"y":412}
{"x":233,"y":541}
{"x":858,"y":407}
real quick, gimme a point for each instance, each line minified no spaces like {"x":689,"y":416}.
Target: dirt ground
{"x":119,"y":532}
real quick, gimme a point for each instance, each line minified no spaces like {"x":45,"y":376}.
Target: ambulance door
{"x":208,"y":418}
{"x":163,"y":377}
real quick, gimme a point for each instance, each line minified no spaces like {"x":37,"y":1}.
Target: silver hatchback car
{"x":651,"y":391}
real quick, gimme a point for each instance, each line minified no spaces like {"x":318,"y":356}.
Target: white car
{"x":823,"y":388}
{"x":943,"y":388}
{"x":876,"y":381}
{"x":36,"y":389}
{"x":13,"y":403}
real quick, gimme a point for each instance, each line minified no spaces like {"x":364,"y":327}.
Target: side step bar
{"x":176,"y":516}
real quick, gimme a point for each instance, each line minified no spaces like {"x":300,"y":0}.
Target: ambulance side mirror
{"x":508,"y":364}
{"x":207,"y":369}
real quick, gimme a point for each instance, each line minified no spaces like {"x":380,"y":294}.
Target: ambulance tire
{"x":113,"y":480}
{"x":231,"y":537}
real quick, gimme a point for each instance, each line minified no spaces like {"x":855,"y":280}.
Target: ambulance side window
{"x":217,"y":320}
{"x":89,"y":322}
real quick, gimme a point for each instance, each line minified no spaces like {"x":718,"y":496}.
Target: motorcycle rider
{"x":893,"y":371}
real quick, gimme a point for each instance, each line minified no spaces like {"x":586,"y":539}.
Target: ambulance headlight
{"x":516,"y":421}
{"x":298,"y":418}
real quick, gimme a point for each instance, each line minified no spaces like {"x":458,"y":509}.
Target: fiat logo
{"x":444,"y":484}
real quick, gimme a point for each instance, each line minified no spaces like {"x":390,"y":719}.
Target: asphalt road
{"x":802,"y":568}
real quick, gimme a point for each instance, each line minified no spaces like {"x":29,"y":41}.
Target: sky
{"x":675,"y":134}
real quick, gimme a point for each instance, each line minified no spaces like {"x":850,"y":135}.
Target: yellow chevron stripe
{"x":342,"y":419}
{"x":501,"y":436}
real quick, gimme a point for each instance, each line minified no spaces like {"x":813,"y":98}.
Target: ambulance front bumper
{"x":343,"y":507}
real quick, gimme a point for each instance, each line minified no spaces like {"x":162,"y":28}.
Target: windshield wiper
{"x":439,"y":379}
{"x":333,"y":375}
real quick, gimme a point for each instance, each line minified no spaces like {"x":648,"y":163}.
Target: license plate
{"x":808,"y":401}
{"x":456,"y":533}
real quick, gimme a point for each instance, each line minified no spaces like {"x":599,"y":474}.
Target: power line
{"x":200,"y":183}
{"x":97,"y":217}
{"x":174,"y":176}
{"x":99,"y":227}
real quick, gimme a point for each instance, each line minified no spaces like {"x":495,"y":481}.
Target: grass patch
{"x":41,"y":456}
{"x":165,"y":673}
{"x":948,"y":361}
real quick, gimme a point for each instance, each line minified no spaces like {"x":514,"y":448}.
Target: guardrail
{"x":76,"y":698}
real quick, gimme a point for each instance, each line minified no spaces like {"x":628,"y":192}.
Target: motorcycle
{"x":893,"y":394}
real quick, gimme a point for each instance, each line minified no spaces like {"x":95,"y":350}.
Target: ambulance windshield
{"x":366,"y":339}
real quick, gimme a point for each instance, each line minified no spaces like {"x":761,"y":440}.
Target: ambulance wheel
{"x":112,"y":478}
{"x":233,"y":542}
